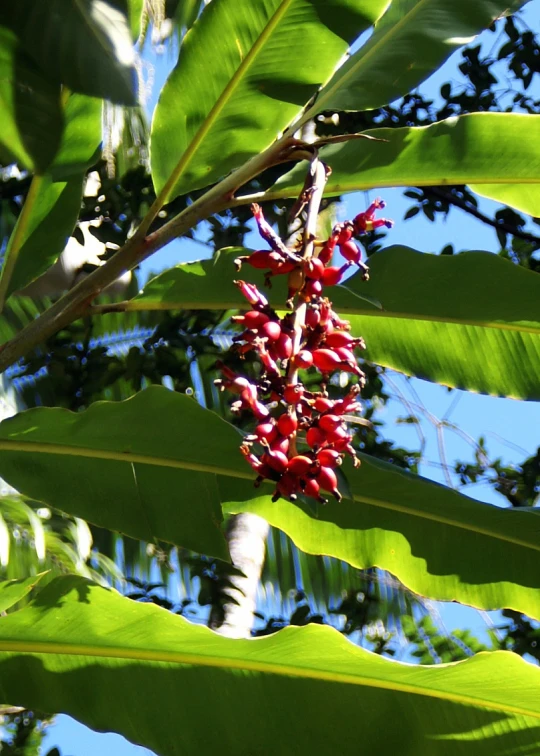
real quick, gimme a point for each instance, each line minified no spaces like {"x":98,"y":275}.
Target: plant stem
{"x":18,"y":238}
{"x":319,"y":175}
{"x":76,"y":302}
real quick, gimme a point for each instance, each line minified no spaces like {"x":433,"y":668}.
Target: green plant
{"x":161,"y":467}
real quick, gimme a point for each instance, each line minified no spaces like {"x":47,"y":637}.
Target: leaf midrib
{"x":224,"y":98}
{"x":139,"y":305}
{"x":251,"y":665}
{"x":33,"y":447}
{"x":383,"y":41}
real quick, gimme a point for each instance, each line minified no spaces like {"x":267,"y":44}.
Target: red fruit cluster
{"x":301,"y":437}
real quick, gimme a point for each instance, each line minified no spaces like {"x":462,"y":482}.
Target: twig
{"x":75,"y":303}
{"x":468,"y":208}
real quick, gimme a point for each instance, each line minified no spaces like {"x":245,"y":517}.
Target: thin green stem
{"x":18,"y":238}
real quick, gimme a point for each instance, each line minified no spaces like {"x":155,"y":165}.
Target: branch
{"x":76,"y":302}
{"x":468,"y":208}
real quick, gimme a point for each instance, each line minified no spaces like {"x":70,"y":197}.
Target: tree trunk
{"x":246,"y":536}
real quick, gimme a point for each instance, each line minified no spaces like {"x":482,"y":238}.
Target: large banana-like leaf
{"x":286,"y":692}
{"x":477,"y":149}
{"x":31,"y":111}
{"x":411,"y":40}
{"x":53,"y":202}
{"x":143,"y":468}
{"x":244,"y":72}
{"x":470,"y":321}
{"x":156,"y":466}
{"x":54,"y":210}
{"x":524,"y":197}
{"x":84,"y":45}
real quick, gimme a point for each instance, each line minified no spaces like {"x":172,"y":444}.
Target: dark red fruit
{"x":293,"y":393}
{"x":329,"y":457}
{"x":271,"y":330}
{"x":315,"y":437}
{"x":303,"y":360}
{"x":287,"y":425}
{"x":300,"y":465}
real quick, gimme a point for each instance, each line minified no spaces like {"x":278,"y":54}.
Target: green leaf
{"x":54,"y":212}
{"x":156,"y":466}
{"x":84,"y":44}
{"x":524,"y":197}
{"x":482,"y":148}
{"x":187,"y":12}
{"x":437,"y":542}
{"x":411,"y":40}
{"x":32,"y":119}
{"x":12,"y":591}
{"x":135,"y":12}
{"x":77,"y":637}
{"x":243,"y":74}
{"x":81,"y":139}
{"x":466,"y":321}
{"x":148,"y":464}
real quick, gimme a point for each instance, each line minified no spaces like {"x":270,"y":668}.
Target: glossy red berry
{"x":315,"y":437}
{"x":315,"y":268}
{"x":266,"y":432}
{"x":350,"y":251}
{"x":313,"y":288}
{"x":327,"y":480}
{"x":329,"y":423}
{"x":329,"y":458}
{"x":312,"y":489}
{"x":326,"y":360}
{"x":271,"y":330}
{"x":303,"y":360}
{"x":287,"y":425}
{"x":322,"y":404}
{"x":293,"y":393}
{"x":283,"y":346}
{"x":300,"y":465}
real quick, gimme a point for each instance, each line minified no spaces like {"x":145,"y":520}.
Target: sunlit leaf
{"x":77,"y":637}
{"x":244,"y":73}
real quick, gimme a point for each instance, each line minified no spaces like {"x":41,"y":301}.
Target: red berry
{"x":283,"y":346}
{"x":329,"y":423}
{"x":266,"y":431}
{"x":313,"y":317}
{"x":350,"y":251}
{"x":312,"y":489}
{"x":345,"y":355}
{"x":280,"y":444}
{"x":322,"y":404}
{"x":300,"y":465}
{"x":331,"y":276}
{"x":326,"y":360}
{"x":315,"y":268}
{"x":315,"y":437}
{"x":276,"y":460}
{"x":327,"y":479}
{"x":313,"y":288}
{"x":303,"y":360}
{"x":287,"y":425}
{"x":252,"y":319}
{"x":337,"y":435}
{"x":293,"y":393}
{"x":329,"y":457}
{"x":271,"y":330}
{"x":339,"y":339}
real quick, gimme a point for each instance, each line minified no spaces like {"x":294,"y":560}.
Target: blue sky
{"x":510,"y":427}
